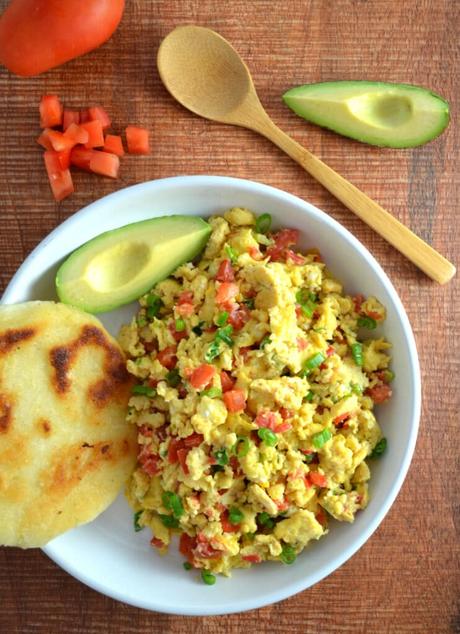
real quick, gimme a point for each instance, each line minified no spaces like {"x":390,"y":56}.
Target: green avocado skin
{"x":377,"y":113}
{"x":120,"y":265}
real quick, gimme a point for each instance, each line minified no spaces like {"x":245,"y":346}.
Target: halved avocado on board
{"x":378,"y":113}
{"x":118,"y":266}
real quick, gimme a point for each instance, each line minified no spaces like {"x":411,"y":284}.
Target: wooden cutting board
{"x":406,"y":578}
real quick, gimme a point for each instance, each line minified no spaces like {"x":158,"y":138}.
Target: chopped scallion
{"x":222,"y":318}
{"x":224,"y":334}
{"x":312,"y":362}
{"x":241,"y":447}
{"x":263,"y":223}
{"x":288,"y":554}
{"x":187,"y":565}
{"x":267,"y":436}
{"x":367,"y":322}
{"x":249,"y":303}
{"x":173,"y":378}
{"x":357,"y":353}
{"x":208,"y":578}
{"x":309,"y":397}
{"x":145,"y":390}
{"x":379,"y":448}
{"x":235,"y":516}
{"x":169,"y":521}
{"x":212,"y":352}
{"x":137,"y":526}
{"x":212,"y":392}
{"x":172,"y":502}
{"x":221,"y":456}
{"x":180,"y":325}
{"x":232,"y":254}
{"x":265,"y":341}
{"x":321,"y":438}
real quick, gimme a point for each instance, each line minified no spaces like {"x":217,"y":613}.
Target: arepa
{"x":65,"y":448}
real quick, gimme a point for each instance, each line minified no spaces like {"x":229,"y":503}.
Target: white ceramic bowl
{"x":106,"y":554}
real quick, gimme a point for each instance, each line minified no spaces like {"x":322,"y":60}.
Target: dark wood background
{"x":406,"y":578}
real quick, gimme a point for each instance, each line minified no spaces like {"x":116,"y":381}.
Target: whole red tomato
{"x":36,"y":35}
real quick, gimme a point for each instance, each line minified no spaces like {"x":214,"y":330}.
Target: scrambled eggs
{"x":255,"y":397}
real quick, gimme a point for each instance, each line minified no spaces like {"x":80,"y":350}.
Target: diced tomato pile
{"x":78,"y":138}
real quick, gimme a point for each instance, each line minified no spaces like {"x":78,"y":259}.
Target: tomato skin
{"x":36,"y":35}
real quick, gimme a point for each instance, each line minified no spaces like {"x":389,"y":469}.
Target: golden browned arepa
{"x":65,"y":448}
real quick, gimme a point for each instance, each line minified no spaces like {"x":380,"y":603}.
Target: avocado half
{"x":119,"y":266}
{"x":378,"y":113}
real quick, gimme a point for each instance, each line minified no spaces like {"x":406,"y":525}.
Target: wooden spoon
{"x":206,"y":75}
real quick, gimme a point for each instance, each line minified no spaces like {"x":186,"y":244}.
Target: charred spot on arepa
{"x":62,"y":358}
{"x":13,"y":336}
{"x":5,"y":413}
{"x":70,"y":466}
{"x":44,"y":426}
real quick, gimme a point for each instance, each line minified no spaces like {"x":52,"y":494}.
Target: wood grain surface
{"x":406,"y":578}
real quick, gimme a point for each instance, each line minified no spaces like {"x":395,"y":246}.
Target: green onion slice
{"x":250,"y":303}
{"x":241,"y":447}
{"x":232,"y":254}
{"x":221,"y":456}
{"x":212,"y":392}
{"x":288,"y":554}
{"x":222,"y":318}
{"x":180,"y":325}
{"x":173,"y":378}
{"x":357,"y":353}
{"x":145,"y":390}
{"x":312,"y":362}
{"x":208,"y":578}
{"x":212,"y":352}
{"x":187,"y":565}
{"x":267,"y":436}
{"x":169,"y":521}
{"x":224,"y":334}
{"x":172,"y":502}
{"x":307,"y":301}
{"x":367,"y":322}
{"x":379,"y":448}
{"x":263,"y":223}
{"x":264,"y":519}
{"x":321,"y":438}
{"x":235,"y":516}
{"x":137,"y":526}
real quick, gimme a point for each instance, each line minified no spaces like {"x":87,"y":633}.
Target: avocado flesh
{"x":119,"y":266}
{"x":378,"y":113}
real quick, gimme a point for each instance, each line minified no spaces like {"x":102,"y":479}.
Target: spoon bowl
{"x":206,"y":75}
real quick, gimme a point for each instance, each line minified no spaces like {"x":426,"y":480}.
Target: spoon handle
{"x":414,"y":248}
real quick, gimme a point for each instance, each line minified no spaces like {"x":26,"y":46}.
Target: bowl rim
{"x":256,"y":187}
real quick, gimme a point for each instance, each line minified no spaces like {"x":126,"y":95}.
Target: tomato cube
{"x":95,"y":134}
{"x":137,"y":140}
{"x":235,"y":400}
{"x":84,"y":116}
{"x":202,"y":376}
{"x":105,"y":164}
{"x":76,"y":134}
{"x":70,"y":116}
{"x":97,"y":113}
{"x":44,"y":139}
{"x":114,"y":144}
{"x":60,"y":141}
{"x":60,"y":179}
{"x":226,"y":292}
{"x":64,"y":159}
{"x":81,"y":157}
{"x":50,"y":111}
